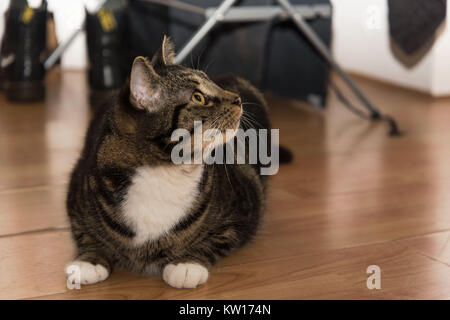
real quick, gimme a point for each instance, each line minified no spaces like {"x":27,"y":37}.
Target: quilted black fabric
{"x":412,"y":23}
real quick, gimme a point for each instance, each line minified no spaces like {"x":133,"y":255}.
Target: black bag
{"x":272,"y":55}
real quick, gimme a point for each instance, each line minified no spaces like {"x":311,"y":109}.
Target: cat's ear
{"x":166,"y":54}
{"x":144,"y":89}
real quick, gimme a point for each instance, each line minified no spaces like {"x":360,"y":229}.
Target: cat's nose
{"x":237,"y":101}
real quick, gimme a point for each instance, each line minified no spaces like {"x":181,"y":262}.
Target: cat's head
{"x":175,"y":96}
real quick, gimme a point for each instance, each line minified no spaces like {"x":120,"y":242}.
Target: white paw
{"x":185,"y":275}
{"x":83,"y":272}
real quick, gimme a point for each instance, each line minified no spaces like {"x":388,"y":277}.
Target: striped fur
{"x":131,"y":207}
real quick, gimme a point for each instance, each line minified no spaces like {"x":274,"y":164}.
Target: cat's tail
{"x":286,"y":155}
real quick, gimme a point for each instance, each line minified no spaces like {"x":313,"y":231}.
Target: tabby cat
{"x":131,"y":207}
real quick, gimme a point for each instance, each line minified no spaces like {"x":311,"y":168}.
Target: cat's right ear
{"x":144,"y":90}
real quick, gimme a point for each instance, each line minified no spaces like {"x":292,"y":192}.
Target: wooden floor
{"x":352,"y":198}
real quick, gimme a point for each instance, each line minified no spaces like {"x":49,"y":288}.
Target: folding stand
{"x":57,"y":53}
{"x":225,"y":13}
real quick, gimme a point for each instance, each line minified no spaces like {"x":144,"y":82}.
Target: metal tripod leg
{"x":323,"y":50}
{"x":57,"y":53}
{"x":304,"y":28}
{"x":218,"y":16}
{"x":204,"y":29}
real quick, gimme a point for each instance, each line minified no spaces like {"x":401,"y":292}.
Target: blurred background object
{"x":256,"y":51}
{"x":273,"y":54}
{"x":361,"y":42}
{"x":350,"y":198}
{"x":22,"y":51}
{"x":413,"y":24}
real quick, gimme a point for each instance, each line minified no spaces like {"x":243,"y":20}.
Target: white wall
{"x":69,"y":15}
{"x":360,"y":43}
{"x":440,"y":85}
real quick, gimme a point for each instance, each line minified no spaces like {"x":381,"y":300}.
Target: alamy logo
{"x":73,"y":277}
{"x":374,"y":281}
{"x":200,"y":150}
{"x":374,"y":17}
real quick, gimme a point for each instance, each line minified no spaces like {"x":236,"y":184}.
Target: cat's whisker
{"x":228,"y":177}
{"x":192,"y":61}
{"x":199,"y":57}
{"x":250,"y":116}
{"x":251,"y":104}
{"x":208,"y":65}
{"x":251,"y":120}
{"x":248,"y":123}
{"x":245,"y":123}
{"x":213,"y":123}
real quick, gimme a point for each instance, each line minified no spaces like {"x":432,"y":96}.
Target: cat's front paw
{"x":185,"y":275}
{"x":85,"y":272}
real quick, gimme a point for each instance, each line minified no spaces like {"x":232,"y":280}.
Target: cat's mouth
{"x":233,"y":126}
{"x":222,"y":134}
{"x":231,"y":120}
{"x":224,"y":129}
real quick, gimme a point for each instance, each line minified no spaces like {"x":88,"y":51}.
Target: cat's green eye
{"x":198,"y":98}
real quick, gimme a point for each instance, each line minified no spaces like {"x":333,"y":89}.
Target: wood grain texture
{"x":351,"y":198}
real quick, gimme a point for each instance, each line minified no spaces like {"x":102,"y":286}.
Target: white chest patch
{"x":158,"y":198}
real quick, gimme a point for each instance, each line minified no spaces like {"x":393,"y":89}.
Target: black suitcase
{"x":273,"y":55}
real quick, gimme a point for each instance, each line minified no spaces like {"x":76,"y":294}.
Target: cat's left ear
{"x":145,"y":91}
{"x":166,"y":54}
